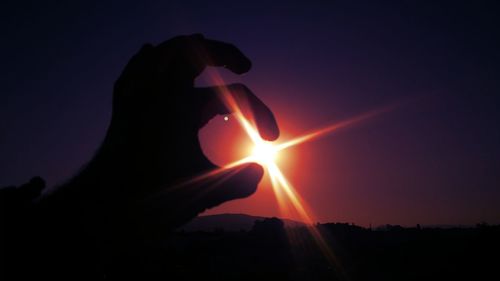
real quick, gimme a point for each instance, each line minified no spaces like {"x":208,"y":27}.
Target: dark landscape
{"x":250,"y":140}
{"x":271,"y":251}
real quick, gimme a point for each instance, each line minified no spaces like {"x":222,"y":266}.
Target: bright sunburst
{"x":264,"y":153}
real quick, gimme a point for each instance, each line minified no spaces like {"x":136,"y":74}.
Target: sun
{"x":264,"y":153}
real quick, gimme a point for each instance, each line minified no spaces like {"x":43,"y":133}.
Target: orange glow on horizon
{"x":266,"y":154}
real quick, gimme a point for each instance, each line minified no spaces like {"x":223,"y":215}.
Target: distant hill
{"x":229,"y":222}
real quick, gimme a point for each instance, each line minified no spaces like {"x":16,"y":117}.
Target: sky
{"x":434,"y":159}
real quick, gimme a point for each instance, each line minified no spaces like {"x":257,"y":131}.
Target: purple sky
{"x":435,"y":160}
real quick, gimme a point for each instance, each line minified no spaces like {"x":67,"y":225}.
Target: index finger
{"x":217,"y":100}
{"x":227,"y":55}
{"x":189,"y":55}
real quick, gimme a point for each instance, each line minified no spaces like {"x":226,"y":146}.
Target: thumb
{"x":178,"y":205}
{"x":235,"y":183}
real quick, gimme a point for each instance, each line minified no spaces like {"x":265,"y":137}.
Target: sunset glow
{"x":264,"y":153}
{"x":267,"y":154}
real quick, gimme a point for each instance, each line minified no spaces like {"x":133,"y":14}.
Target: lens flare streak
{"x":283,"y":190}
{"x":285,"y":193}
{"x":330,"y":129}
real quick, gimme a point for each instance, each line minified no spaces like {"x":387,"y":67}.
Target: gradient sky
{"x":434,"y":160}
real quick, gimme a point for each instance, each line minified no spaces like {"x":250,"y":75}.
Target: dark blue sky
{"x":435,"y":160}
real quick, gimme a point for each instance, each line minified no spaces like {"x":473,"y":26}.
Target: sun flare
{"x":264,"y":153}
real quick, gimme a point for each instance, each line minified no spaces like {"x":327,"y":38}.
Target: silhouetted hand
{"x":136,"y":185}
{"x":152,"y":144}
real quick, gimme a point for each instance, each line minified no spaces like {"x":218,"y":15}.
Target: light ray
{"x":213,"y":172}
{"x":305,"y":215}
{"x":282,"y":188}
{"x":278,"y":194}
{"x":331,"y":128}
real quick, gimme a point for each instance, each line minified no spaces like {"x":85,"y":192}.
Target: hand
{"x":130,"y":189}
{"x":152,"y":143}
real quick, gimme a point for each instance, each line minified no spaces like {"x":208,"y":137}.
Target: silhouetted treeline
{"x":271,"y":252}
